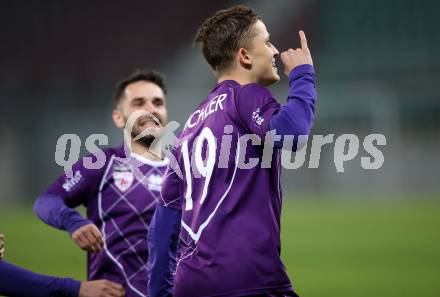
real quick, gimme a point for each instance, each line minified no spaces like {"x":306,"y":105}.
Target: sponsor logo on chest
{"x":155,"y":182}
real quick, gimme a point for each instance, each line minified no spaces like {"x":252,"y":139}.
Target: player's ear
{"x":118,"y":119}
{"x":244,"y":57}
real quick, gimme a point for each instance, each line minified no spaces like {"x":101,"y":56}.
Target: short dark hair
{"x":139,"y":75}
{"x":221,"y":35}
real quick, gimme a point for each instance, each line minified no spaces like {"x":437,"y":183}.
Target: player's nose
{"x":153,"y":110}
{"x":276,"y":53}
{"x":150,"y":107}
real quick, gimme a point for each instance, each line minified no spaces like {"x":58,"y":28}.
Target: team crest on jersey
{"x":123,"y":176}
{"x":155,"y":182}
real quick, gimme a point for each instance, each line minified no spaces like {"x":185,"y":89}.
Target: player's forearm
{"x":296,"y":116}
{"x":16,"y":281}
{"x":52,"y":210}
{"x":163,"y":237}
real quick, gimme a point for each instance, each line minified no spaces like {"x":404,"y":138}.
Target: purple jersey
{"x":120,"y":198}
{"x":230,"y":237}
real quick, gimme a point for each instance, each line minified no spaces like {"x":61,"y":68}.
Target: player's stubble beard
{"x":147,"y":140}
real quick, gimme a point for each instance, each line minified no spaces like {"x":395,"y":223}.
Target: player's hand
{"x":2,"y":246}
{"x":89,"y":238}
{"x":295,"y":57}
{"x":101,"y":288}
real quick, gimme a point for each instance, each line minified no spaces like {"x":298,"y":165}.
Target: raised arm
{"x":296,"y":116}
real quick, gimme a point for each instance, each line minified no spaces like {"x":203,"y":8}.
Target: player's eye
{"x":137,"y":102}
{"x":158,"y":102}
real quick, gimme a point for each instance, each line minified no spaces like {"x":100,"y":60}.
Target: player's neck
{"x":241,"y":76}
{"x":152,"y":153}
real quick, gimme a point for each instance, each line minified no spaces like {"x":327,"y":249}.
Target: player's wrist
{"x":300,"y":70}
{"x":71,"y":287}
{"x":74,"y":226}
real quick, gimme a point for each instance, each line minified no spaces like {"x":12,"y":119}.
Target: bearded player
{"x":230,"y":211}
{"x":120,"y":195}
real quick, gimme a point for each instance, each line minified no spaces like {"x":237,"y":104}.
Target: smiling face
{"x":261,"y":55}
{"x":142,"y":96}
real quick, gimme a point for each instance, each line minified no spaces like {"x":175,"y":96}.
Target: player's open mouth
{"x":274,"y":65}
{"x":148,"y":121}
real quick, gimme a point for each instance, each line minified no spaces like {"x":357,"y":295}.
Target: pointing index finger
{"x":303,"y":38}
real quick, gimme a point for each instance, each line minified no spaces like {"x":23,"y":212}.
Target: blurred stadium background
{"x":357,"y":233}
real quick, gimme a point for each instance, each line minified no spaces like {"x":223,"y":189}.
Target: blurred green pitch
{"x":331,"y":247}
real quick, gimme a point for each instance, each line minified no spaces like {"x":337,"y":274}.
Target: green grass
{"x":354,"y":248}
{"x":363,"y":248}
{"x":36,"y":246}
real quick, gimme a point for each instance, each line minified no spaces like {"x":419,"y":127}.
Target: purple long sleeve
{"x":52,"y":210}
{"x":296,"y":116}
{"x":163,"y":238}
{"x":16,"y":281}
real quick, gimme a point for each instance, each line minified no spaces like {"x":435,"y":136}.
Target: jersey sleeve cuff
{"x":71,"y":287}
{"x":77,"y":223}
{"x":299,"y":70}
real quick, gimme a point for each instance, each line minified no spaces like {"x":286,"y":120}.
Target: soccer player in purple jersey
{"x":121,"y":195}
{"x":19,"y":282}
{"x":229,"y":205}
